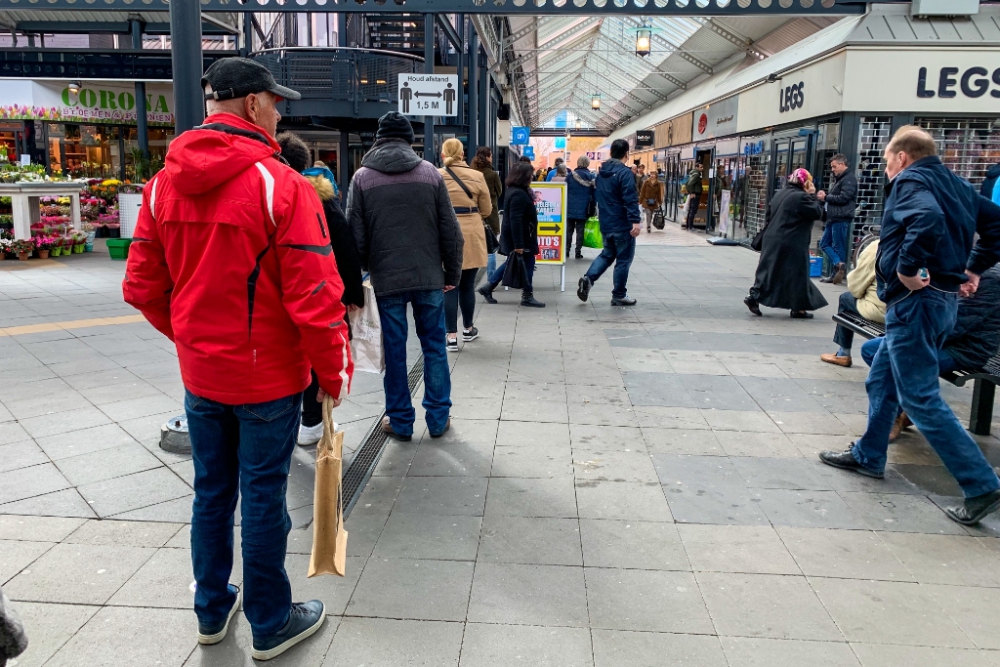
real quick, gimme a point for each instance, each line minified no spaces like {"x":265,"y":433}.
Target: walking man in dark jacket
{"x":579,"y":195}
{"x":694,"y":188}
{"x":840,"y":202}
{"x":926,"y":258}
{"x":618,"y":210}
{"x":409,"y":240}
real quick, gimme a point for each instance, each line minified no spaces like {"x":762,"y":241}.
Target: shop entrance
{"x":790,"y":153}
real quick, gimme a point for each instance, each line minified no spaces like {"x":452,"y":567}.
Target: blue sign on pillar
{"x":529,"y":152}
{"x":560,"y":143}
{"x":519,"y":136}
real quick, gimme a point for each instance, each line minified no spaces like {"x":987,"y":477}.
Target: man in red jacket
{"x":232,"y":261}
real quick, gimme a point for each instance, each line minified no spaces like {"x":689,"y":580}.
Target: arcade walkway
{"x":621,"y":487}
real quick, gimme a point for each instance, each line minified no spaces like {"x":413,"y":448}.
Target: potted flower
{"x":90,"y":233}
{"x":43,"y":246}
{"x":79,"y":239}
{"x":23,"y":249}
{"x":7,"y":248}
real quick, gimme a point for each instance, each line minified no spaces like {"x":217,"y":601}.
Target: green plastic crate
{"x":118,"y":248}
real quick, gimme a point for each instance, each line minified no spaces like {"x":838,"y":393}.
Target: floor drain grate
{"x":368,"y":454}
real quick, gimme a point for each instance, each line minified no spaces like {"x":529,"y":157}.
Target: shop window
{"x":88,"y":151}
{"x":874,"y":133}
{"x":159,"y":139}
{"x":967,"y":146}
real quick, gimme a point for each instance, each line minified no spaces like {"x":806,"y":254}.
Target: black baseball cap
{"x":232,"y":78}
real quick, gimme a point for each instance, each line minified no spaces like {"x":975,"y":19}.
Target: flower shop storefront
{"x":83,"y":132}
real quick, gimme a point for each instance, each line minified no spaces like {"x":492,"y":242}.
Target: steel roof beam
{"x":742,"y":42}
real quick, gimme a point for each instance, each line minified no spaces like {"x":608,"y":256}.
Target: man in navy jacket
{"x":579,"y":195}
{"x":925,"y":260}
{"x":618,"y":211}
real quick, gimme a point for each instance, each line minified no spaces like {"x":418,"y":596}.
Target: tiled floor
{"x":634,"y":487}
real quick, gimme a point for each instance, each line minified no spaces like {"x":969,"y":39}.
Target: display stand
{"x":25,"y":203}
{"x":550,"y":204}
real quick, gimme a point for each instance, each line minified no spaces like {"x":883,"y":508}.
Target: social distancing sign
{"x":550,"y":204}
{"x":428,"y":94}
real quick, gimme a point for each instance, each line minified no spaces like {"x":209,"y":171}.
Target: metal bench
{"x":985,"y":379}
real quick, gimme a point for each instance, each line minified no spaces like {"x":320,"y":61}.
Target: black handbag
{"x":492,"y":243}
{"x":659,"y":220}
{"x":758,"y":239}
{"x":515,"y":273}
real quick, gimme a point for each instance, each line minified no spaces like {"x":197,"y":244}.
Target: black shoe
{"x":528,"y":300}
{"x":213,"y":634}
{"x":975,"y":508}
{"x":579,"y":254}
{"x":827,"y":279}
{"x":800,"y":315}
{"x":487,"y":292}
{"x":447,"y":427}
{"x":387,"y":429}
{"x":304,"y":620}
{"x":846,"y":461}
{"x":583,"y":288}
{"x":624,"y":301}
{"x":753,"y":305}
{"x":470,"y":334}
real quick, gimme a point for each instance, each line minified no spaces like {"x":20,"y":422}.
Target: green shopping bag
{"x":592,"y":234}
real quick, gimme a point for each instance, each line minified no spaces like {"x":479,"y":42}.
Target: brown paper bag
{"x":329,"y":550}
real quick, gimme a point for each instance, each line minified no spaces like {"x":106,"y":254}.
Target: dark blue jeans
{"x":619,"y":248}
{"x":834,"y":241}
{"x":428,"y":318}
{"x":904,"y":373}
{"x":946,"y":363}
{"x":242,"y":451}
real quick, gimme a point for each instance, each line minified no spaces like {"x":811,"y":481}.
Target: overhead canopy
{"x":111,"y":21}
{"x":560,"y":63}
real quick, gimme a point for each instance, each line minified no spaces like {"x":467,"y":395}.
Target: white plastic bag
{"x":366,"y":327}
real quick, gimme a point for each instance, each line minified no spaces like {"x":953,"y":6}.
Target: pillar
{"x":186,"y":58}
{"x":247,"y":47}
{"x":429,"y":148}
{"x":141,"y":122}
{"x":460,"y":71}
{"x":473,"y":89}
{"x":484,"y":100}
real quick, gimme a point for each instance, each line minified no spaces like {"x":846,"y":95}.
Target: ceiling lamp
{"x":643,"y":39}
{"x":578,"y":124}
{"x":74,"y":87}
{"x":595,"y":101}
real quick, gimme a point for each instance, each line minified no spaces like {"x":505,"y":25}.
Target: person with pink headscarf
{"x":782,"y":279}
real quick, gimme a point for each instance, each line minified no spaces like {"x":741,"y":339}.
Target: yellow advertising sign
{"x":550,"y":204}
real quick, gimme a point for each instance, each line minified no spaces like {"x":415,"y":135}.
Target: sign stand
{"x":550,"y":204}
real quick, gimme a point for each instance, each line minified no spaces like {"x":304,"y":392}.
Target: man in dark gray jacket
{"x":410,"y":242}
{"x":840,"y":202}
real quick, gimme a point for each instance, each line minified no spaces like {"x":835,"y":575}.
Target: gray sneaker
{"x":624,"y":301}
{"x":304,"y":619}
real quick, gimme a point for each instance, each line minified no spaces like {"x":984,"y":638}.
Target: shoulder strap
{"x":468,"y":192}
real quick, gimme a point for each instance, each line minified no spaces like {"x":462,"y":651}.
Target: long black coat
{"x":520,"y":222}
{"x":783,"y":271}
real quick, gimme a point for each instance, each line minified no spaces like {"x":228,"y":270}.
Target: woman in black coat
{"x":782,"y":279}
{"x":519,"y":233}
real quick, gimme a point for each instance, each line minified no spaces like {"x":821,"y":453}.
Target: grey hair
{"x":582,"y":162}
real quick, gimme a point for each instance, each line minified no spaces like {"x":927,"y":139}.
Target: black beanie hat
{"x":394,"y":125}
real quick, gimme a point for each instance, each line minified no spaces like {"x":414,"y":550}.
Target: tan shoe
{"x":839,"y":274}
{"x":902,"y":423}
{"x":835,"y":360}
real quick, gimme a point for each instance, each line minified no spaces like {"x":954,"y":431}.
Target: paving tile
{"x":527,"y":462}
{"x":780,"y":473}
{"x":654,"y":388}
{"x":136,"y":637}
{"x":429,"y":536}
{"x":646,"y":600}
{"x":813,"y":423}
{"x":613,"y":648}
{"x":78,"y":574}
{"x":894,"y":482}
{"x":50,"y":626}
{"x":747,"y":652}
{"x":780,"y":394}
{"x":945,"y":559}
{"x":66,"y":503}
{"x":460,"y":460}
{"x":666,"y":417}
{"x":629,"y":465}
{"x":590,"y":436}
{"x":538,"y":541}
{"x":37,"y":528}
{"x":11,"y":432}
{"x":880,"y":655}
{"x":635,"y":501}
{"x":973,"y":610}
{"x":512,"y":645}
{"x":163,"y":581}
{"x":480,"y":432}
{"x":15,"y":555}
{"x":766,"y":605}
{"x":532,"y":434}
{"x":749,"y":420}
{"x":706,"y":489}
{"x":747,"y":444}
{"x":510,"y":496}
{"x":601,"y":411}
{"x":547,"y":595}
{"x":60,"y":424}
{"x":21,"y":455}
{"x":632,"y":544}
{"x":902,"y":513}
{"x":807,"y":509}
{"x":682,"y":441}
{"x":849,"y":554}
{"x":535,"y":402}
{"x":334,"y":591}
{"x":134,"y":408}
{"x":882,"y":612}
{"x":29,"y":482}
{"x":376,"y":641}
{"x":143,"y":489}
{"x":750,"y":549}
{"x":107,"y":464}
{"x":173,"y":511}
{"x":414,"y":589}
{"x":84,"y":441}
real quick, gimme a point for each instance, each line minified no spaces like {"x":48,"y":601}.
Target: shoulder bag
{"x":492,"y":244}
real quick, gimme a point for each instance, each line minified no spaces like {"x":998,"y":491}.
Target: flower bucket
{"x":77,"y":248}
{"x":118,"y":248}
{"x":89,"y":244}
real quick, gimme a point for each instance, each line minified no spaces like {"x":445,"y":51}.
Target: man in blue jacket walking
{"x":579,"y":196}
{"x":618,"y":211}
{"x":925,"y":260}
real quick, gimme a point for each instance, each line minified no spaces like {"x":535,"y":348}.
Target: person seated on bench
{"x":973,"y":341}
{"x":861,"y":298}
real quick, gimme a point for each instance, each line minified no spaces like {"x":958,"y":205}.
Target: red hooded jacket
{"x":231,"y":260}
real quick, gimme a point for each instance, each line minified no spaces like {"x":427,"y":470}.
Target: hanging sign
{"x":550,"y":204}
{"x":528,"y":152}
{"x":519,"y":136}
{"x":428,"y":94}
{"x":644,"y":139}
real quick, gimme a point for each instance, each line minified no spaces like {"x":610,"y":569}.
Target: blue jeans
{"x":946,"y":363}
{"x":619,"y":247}
{"x":242,"y":451}
{"x":428,"y":318}
{"x":904,"y":373}
{"x":491,"y":264}
{"x":834,"y":241}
